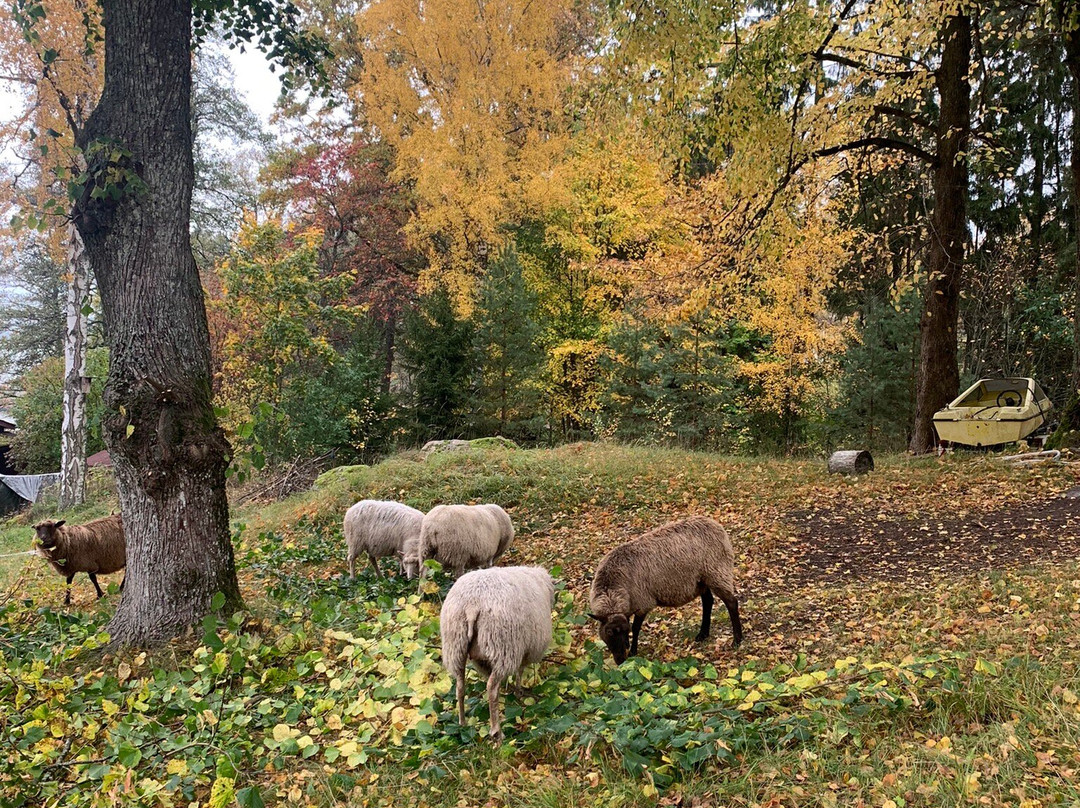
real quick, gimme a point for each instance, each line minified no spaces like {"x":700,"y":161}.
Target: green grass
{"x":327,"y":692}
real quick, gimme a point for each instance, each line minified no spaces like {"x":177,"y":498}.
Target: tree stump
{"x":856,"y":461}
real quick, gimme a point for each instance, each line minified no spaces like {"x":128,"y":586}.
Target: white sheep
{"x":462,"y":537}
{"x":380,"y":529}
{"x":500,"y":619}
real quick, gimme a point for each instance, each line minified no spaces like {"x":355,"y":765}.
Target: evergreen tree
{"x":676,"y":382}
{"x":876,"y":399}
{"x":509,"y":351}
{"x":30,"y":310}
{"x":35,"y":447}
{"x":440,"y":356}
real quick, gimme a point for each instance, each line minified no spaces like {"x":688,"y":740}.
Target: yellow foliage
{"x":72,"y":80}
{"x":470,"y":95}
{"x":574,"y":370}
{"x":775,"y":277}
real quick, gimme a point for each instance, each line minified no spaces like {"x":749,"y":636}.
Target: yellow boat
{"x":994,"y":411}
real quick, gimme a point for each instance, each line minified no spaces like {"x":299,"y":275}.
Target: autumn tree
{"x":50,"y":54}
{"x":298,"y":373}
{"x":132,"y":208}
{"x":341,"y":187}
{"x":470,"y":97}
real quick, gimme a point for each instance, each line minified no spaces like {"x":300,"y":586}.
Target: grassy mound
{"x":848,"y":690}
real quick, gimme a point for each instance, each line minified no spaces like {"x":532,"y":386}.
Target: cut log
{"x":855,"y":461}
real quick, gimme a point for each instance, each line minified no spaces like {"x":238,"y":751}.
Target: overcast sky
{"x":255,"y":81}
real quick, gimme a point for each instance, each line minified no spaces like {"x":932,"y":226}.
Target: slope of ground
{"x":911,"y":640}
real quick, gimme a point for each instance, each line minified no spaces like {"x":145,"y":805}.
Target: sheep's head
{"x":46,"y":533}
{"x":615,"y":632}
{"x":410,"y":558}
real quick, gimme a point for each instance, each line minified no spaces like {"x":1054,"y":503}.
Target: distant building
{"x":99,"y":459}
{"x":7,"y":429}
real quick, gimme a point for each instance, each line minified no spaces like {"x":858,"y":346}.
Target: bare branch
{"x":913,"y":117}
{"x":879,"y":143}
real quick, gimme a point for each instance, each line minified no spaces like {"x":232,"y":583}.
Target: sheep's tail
{"x":456,"y":657}
{"x":460,"y":639}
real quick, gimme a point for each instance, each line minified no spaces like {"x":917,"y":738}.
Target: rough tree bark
{"x":73,"y":432}
{"x":169,"y":452}
{"x":938,"y":378}
{"x":1071,"y":36}
{"x":1068,"y":431}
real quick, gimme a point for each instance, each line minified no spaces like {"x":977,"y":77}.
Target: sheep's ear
{"x":594,"y":617}
{"x":60,"y":523}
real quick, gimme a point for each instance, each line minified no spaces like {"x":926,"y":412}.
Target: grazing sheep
{"x":379,"y":529}
{"x":500,"y":619}
{"x":464,"y":537}
{"x":668,"y":566}
{"x":410,"y":557}
{"x":96,"y":548}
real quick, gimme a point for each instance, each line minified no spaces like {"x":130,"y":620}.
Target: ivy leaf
{"x":250,"y":797}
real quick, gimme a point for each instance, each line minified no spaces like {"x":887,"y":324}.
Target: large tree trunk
{"x":73,"y":432}
{"x":169,"y":453}
{"x":1068,"y":431}
{"x":938,"y":376}
{"x":1072,"y":61}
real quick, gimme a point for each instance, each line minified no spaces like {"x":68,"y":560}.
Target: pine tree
{"x":509,"y":350}
{"x":441,"y":358}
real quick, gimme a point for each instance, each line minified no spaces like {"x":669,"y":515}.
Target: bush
{"x":39,"y":413}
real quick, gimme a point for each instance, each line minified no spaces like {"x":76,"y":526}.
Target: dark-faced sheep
{"x":380,"y":529}
{"x":463,"y":537}
{"x":96,"y":548}
{"x":500,"y":619}
{"x":668,"y":566}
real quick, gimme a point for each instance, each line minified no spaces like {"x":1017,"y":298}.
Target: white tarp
{"x":28,"y":486}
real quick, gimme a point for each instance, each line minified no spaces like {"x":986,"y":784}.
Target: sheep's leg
{"x":732,"y":604}
{"x":515,"y":686}
{"x":67,"y":594}
{"x":460,"y":676}
{"x":375,"y":564}
{"x":352,"y":566}
{"x":706,"y":614}
{"x":123,"y":581}
{"x":635,"y":629}
{"x":495,"y":723}
{"x":93,"y":580}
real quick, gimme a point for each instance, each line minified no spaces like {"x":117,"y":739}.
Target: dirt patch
{"x":860,"y":543}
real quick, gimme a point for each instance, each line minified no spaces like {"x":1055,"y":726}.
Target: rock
{"x":434,"y":446}
{"x":455,"y":445}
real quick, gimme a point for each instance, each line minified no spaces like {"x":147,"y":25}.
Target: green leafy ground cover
{"x":329,"y":692}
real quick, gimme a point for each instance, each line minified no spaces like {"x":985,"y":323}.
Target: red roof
{"x":99,"y":459}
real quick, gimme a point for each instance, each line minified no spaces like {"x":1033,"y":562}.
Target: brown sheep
{"x":96,"y":548}
{"x":668,"y":566}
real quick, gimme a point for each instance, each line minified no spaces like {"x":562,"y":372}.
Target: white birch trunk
{"x":73,"y":437}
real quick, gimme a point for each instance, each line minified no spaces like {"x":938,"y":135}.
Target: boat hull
{"x":982,"y":432}
{"x":994,"y":411}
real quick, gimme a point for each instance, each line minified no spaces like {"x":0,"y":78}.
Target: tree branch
{"x":880,"y":143}
{"x":896,"y":112}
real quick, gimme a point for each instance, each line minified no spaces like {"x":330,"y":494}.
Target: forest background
{"x":716,"y":226}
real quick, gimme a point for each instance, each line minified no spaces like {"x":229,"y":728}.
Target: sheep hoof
{"x":701,"y":638}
